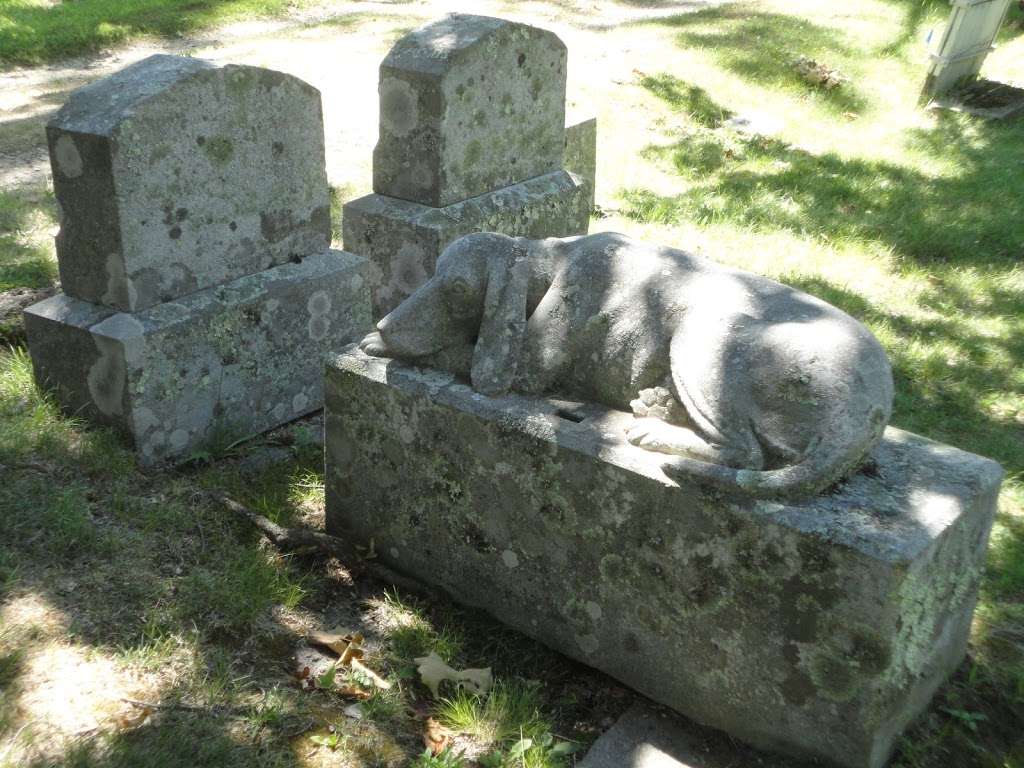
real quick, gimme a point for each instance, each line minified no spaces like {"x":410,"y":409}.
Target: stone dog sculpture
{"x":747,"y":383}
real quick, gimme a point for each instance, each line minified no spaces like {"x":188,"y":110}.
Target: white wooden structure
{"x":966,"y":41}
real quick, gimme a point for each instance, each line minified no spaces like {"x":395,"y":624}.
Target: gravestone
{"x":174,"y":175}
{"x":472,"y":138}
{"x":200,"y":291}
{"x":751,"y":546}
{"x":818,"y":627}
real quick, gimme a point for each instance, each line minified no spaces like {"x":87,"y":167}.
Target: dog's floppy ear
{"x":503,"y":327}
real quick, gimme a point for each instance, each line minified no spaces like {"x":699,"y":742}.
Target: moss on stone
{"x":219,"y":149}
{"x":834,"y":677}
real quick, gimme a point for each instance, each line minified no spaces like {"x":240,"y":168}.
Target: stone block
{"x":469,"y":104}
{"x":219,"y":364}
{"x":402,"y":240}
{"x":581,"y":155}
{"x":819,"y":627}
{"x":645,"y":738}
{"x":174,"y":175}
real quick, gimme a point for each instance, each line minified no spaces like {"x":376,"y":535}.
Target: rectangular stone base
{"x":581,"y":155}
{"x":216,"y":365}
{"x":820,"y":627}
{"x":402,"y":240}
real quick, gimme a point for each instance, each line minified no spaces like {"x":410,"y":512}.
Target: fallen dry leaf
{"x":354,"y":692}
{"x":433,"y":671}
{"x":819,"y":74}
{"x":435,"y":736}
{"x":348,"y":647}
{"x":376,"y":679}
{"x":133,"y":719}
{"x":341,"y":641}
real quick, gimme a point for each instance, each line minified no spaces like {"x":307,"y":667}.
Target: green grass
{"x":26,"y":259}
{"x":508,"y":712}
{"x":410,"y":632}
{"x":508,"y":723}
{"x":33,"y":31}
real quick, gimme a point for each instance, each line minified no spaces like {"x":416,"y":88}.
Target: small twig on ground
{"x":33,"y":466}
{"x":292,"y":539}
{"x":179,"y":707}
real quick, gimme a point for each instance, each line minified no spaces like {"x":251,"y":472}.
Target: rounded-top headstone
{"x":469,"y":104}
{"x":175,"y":175}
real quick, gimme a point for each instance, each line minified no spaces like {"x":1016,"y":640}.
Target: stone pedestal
{"x":472,"y":139}
{"x":820,"y":627}
{"x":402,"y":240}
{"x":214,"y":366}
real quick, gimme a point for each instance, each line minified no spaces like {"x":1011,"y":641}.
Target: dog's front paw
{"x":646,"y":433}
{"x":373,"y":344}
{"x":658,"y":403}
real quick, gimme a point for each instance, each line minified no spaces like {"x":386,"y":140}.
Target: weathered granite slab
{"x":819,"y":627}
{"x":219,"y":364}
{"x":581,"y":155}
{"x":174,"y":175}
{"x":469,"y":104}
{"x":643,"y":738}
{"x":402,"y":240}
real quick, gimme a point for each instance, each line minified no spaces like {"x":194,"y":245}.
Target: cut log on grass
{"x":297,"y":539}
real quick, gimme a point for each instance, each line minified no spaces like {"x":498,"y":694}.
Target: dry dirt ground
{"x":337,"y":48}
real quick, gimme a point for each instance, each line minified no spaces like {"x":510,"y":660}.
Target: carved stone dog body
{"x":759,"y":386}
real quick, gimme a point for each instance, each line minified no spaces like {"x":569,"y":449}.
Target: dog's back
{"x":755,"y":363}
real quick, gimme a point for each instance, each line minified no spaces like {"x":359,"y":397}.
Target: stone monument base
{"x":819,"y":627}
{"x":219,"y":364}
{"x":402,"y":239}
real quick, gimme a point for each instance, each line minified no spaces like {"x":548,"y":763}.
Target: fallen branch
{"x":179,"y":707}
{"x":292,"y":539}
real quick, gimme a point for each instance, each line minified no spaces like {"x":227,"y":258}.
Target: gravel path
{"x":336,"y":47}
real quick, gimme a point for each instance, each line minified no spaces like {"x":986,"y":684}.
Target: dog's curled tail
{"x":821,"y":466}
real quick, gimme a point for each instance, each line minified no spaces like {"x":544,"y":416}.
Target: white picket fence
{"x":966,"y":41}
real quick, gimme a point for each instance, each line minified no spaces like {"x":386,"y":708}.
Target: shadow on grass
{"x":915,"y":13}
{"x":964,"y":218}
{"x":762,"y":47}
{"x":689,"y":99}
{"x":24,"y":262}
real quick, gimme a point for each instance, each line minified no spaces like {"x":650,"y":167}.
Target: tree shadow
{"x":687,"y":98}
{"x":23,"y":263}
{"x":914,"y":13}
{"x":759,"y":181}
{"x":762,"y":47}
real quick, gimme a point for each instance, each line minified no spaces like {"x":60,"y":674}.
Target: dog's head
{"x":478,"y":296}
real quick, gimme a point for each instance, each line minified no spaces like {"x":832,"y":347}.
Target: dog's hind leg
{"x":710,"y":380}
{"x":653,"y":434}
